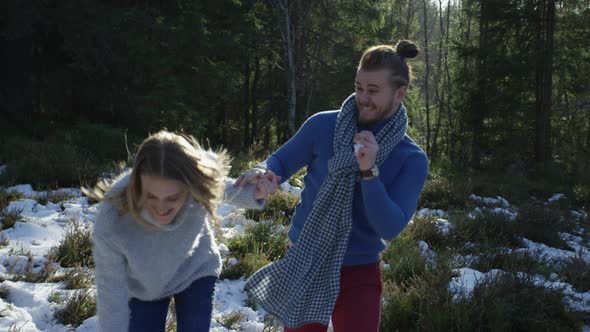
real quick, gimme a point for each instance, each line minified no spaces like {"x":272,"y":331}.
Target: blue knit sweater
{"x":382,"y":206}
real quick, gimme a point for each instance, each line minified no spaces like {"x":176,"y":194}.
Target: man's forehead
{"x":376,"y":77}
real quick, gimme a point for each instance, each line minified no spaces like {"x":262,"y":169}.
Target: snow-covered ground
{"x":28,"y":307}
{"x":466,"y":280}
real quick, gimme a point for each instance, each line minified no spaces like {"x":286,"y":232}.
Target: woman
{"x":152,"y":239}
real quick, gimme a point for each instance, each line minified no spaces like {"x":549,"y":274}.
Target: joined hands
{"x":266,"y":182}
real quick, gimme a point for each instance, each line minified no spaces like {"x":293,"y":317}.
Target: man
{"x":364,"y":176}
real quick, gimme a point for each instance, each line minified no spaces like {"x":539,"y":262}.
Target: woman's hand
{"x":266,"y":182}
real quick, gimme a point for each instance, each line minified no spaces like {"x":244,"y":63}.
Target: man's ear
{"x":401,"y":92}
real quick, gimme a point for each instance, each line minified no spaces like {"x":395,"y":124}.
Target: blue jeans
{"x":194,"y":307}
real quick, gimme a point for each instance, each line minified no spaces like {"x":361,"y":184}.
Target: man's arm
{"x":389,"y":210}
{"x":289,"y":158}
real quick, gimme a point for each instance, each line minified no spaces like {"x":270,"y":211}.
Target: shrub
{"x":61,"y":164}
{"x":405,"y":261}
{"x":9,"y":218}
{"x":78,"y":307}
{"x":104,"y":141}
{"x":76,"y":278}
{"x":4,"y":241}
{"x":582,"y":194}
{"x":261,"y":238}
{"x":55,"y":297}
{"x":426,"y":229}
{"x":398,"y":308}
{"x":576,"y":271}
{"x":440,"y":193}
{"x":54,"y":196}
{"x":232,"y":320}
{"x":503,"y":303}
{"x":272,"y":324}
{"x":449,"y":190}
{"x":75,"y":249}
{"x":31,"y":272}
{"x":4,"y":293}
{"x":408,"y":265}
{"x":241,"y":162}
{"x":509,"y":303}
{"x":252,"y":263}
{"x":6,"y":197}
{"x":259,"y":245}
{"x":523,"y":261}
{"x":279,"y":208}
{"x":231,"y":271}
{"x":486,"y":229}
{"x":547,"y":178}
{"x":18,"y":328}
{"x":297,"y":179}
{"x":418,"y":301}
{"x":540,"y":223}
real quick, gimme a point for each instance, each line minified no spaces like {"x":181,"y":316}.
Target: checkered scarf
{"x":303,"y":287}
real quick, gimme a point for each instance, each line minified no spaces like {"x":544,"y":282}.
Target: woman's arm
{"x":111,"y":286}
{"x":244,"y":197}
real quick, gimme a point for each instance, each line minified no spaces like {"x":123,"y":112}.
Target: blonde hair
{"x":174,"y":156}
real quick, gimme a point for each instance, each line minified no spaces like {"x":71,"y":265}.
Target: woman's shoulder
{"x":107,"y":213}
{"x":105,"y":219}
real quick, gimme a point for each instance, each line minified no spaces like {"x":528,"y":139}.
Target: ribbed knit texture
{"x":133,"y":261}
{"x":303,"y":287}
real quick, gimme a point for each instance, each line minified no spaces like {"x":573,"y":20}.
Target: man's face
{"x":375,"y":97}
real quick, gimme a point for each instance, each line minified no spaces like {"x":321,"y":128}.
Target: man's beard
{"x":380,"y":114}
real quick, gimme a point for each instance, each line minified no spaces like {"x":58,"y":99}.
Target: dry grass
{"x":9,"y":218}
{"x":75,"y":249}
{"x":78,"y":307}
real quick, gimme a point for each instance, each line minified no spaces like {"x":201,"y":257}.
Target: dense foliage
{"x":499,"y":85}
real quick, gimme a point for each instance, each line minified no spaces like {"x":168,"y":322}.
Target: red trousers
{"x":358,"y":307}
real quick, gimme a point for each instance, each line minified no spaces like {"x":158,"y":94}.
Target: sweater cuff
{"x":242,"y":196}
{"x":370,"y":182}
{"x":262,"y":165}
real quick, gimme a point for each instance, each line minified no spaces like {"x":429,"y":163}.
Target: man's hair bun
{"x":406,"y":49}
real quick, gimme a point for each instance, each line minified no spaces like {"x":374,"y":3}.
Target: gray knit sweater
{"x":133,"y":261}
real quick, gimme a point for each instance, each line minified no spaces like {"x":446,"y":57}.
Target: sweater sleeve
{"x":242,"y":196}
{"x":389,"y":210}
{"x":111,"y":286}
{"x":297,"y":152}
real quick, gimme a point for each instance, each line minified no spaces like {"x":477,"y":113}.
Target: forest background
{"x":500,"y":98}
{"x":500,"y":101}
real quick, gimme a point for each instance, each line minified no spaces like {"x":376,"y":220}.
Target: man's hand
{"x":367,"y":154}
{"x":266,"y":182}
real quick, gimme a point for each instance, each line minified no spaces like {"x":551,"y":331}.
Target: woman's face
{"x":163,"y":197}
